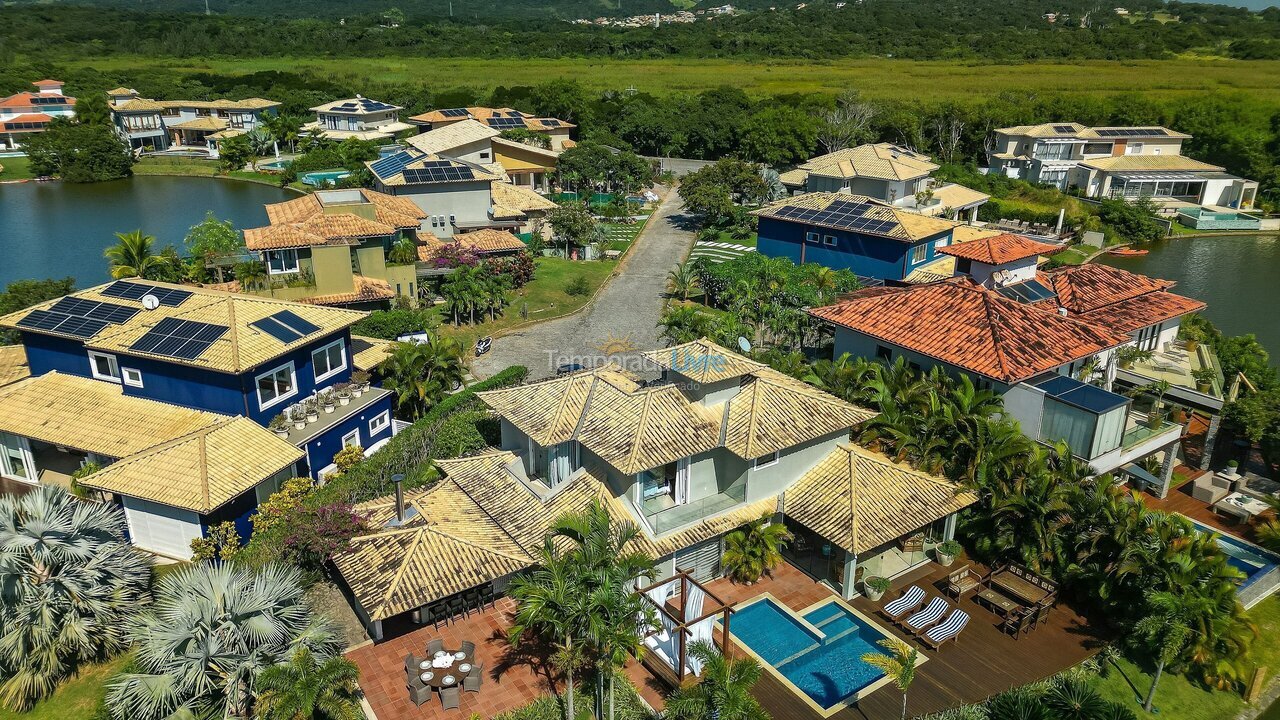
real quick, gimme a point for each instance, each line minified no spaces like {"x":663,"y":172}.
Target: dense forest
{"x":924,"y":29}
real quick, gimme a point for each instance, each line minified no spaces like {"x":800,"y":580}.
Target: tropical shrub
{"x":420,"y":374}
{"x":213,"y":629}
{"x":69,"y":582}
{"x":307,"y":689}
{"x":519,"y":268}
{"x":578,"y":286}
{"x":222,"y":543}
{"x":391,"y":324}
{"x":754,"y":549}
{"x":724,"y":691}
{"x":347,"y":457}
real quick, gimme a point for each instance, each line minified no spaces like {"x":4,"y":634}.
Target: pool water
{"x":827,"y":664}
{"x":275,"y":165}
{"x":1252,"y":560}
{"x":326,"y":176}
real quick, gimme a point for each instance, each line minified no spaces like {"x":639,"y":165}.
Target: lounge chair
{"x":911,"y":598}
{"x":948,"y":630}
{"x":920,"y":621}
{"x":450,"y":697}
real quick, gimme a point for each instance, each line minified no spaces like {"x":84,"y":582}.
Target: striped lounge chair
{"x":917,"y":623}
{"x":911,"y":599}
{"x":947,"y":630}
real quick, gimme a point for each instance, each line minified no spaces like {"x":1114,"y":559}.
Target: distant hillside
{"x":491,"y":10}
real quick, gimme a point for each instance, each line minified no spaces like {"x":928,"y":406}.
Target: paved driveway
{"x":624,"y":317}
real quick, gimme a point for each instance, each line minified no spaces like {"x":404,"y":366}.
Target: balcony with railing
{"x":662,"y":515}
{"x":1192,"y":371}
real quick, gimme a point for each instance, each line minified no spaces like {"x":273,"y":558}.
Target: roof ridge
{"x":992,"y":316}
{"x":434,"y":528}
{"x":643,"y":424}
{"x":404,"y":565}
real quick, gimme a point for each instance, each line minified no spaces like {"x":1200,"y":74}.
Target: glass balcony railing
{"x":676,"y":516}
{"x":1144,"y":431}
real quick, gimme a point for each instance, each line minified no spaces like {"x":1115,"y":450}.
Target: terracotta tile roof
{"x":122,"y":91}
{"x":241,"y":348}
{"x":861,"y":500}
{"x":1127,"y":316}
{"x":999,"y":249}
{"x":899,"y":224}
{"x":392,"y":210}
{"x":1157,"y":131}
{"x":548,"y":154}
{"x":1076,"y":130}
{"x":330,"y":218}
{"x":203,"y":470}
{"x":253,"y":103}
{"x":965,"y":233}
{"x":511,"y":201}
{"x":47,"y":82}
{"x":411,"y":158}
{"x":1082,"y":288}
{"x":368,"y":353}
{"x":484,"y":113}
{"x":13,"y":364}
{"x":969,"y":327}
{"x":879,"y":161}
{"x":138,"y":104}
{"x":485,"y":241}
{"x":24,"y":99}
{"x":341,"y":229}
{"x":443,"y":139}
{"x":1150,"y":163}
{"x":703,"y":361}
{"x":954,"y":196}
{"x":774,"y":411}
{"x":366,"y":289}
{"x":1044,"y":130}
{"x":29,"y":118}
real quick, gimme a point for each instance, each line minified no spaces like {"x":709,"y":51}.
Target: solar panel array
{"x":550,"y":122}
{"x":506,"y":123}
{"x":1026,"y":292}
{"x":438,"y":171}
{"x":169,"y":297}
{"x":455,"y":112}
{"x":183,"y":339}
{"x":1132,"y":132}
{"x":48,"y":101}
{"x":95,"y":310}
{"x":362,"y":105}
{"x":843,"y":215}
{"x":391,"y":164}
{"x":47,"y":321}
{"x":1063,"y":129}
{"x":285,"y":326}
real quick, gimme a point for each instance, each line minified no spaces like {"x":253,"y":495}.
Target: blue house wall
{"x":304,"y":374}
{"x":866,"y":255}
{"x":320,"y":450}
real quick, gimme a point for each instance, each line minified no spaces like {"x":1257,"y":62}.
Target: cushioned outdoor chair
{"x":917,"y":623}
{"x":419,"y":693}
{"x":474,"y":679}
{"x":910,"y":599}
{"x":450,"y":697}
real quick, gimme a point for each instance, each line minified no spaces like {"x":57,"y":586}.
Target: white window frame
{"x":342,"y":352}
{"x":354,"y":433}
{"x":379,"y":422}
{"x":131,"y":376}
{"x":829,"y":240}
{"x":765,"y":461}
{"x":1133,"y":148}
{"x":293,"y":383}
{"x":111,"y":359}
{"x":922,"y":250}
{"x":281,"y":254}
{"x":813,"y":237}
{"x":23,"y":446}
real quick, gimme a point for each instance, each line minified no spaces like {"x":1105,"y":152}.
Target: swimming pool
{"x":1246,"y":557}
{"x":276,"y":165}
{"x":323,"y":177}
{"x":818,"y":653}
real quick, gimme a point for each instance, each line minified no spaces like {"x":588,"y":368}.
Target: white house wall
{"x":467,"y":202}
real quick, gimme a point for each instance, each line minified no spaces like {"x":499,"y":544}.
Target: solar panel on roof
{"x":505,"y":123}
{"x":285,"y":326}
{"x":299,"y":325}
{"x":454,"y":112}
{"x":391,"y":164}
{"x":182,"y":339}
{"x":110,"y":312}
{"x":169,"y":297}
{"x":48,"y":321}
{"x":1063,"y":129}
{"x":551,"y":123}
{"x":48,"y":101}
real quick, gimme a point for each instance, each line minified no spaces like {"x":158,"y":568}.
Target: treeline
{"x":929,"y":29}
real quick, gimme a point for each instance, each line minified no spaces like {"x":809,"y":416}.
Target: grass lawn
{"x":194,"y":167}
{"x":77,"y":698}
{"x":1071,"y":256}
{"x":880,"y":78}
{"x":621,"y":235}
{"x":544,"y":296}
{"x":16,"y":168}
{"x":1179,"y":697}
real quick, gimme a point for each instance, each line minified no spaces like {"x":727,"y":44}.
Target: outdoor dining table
{"x":998,"y":602}
{"x":1022,"y":589}
{"x":438,"y":674}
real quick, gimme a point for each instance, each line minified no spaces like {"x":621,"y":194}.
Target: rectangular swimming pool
{"x":819,"y":653}
{"x":1250,"y":559}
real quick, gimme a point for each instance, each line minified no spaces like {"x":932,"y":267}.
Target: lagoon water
{"x":58,"y":229}
{"x":1239,"y":276}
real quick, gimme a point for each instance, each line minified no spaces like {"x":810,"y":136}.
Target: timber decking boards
{"x":984,"y":662}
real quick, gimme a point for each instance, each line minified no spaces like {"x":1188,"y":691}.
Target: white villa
{"x":25,"y":113}
{"x":357,"y":117}
{"x":187,"y":126}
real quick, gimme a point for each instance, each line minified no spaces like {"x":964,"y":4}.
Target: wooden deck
{"x":983,"y":663}
{"x":1180,"y":501}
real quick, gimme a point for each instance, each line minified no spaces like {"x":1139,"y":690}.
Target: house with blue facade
{"x":170,"y":390}
{"x":870,"y":237}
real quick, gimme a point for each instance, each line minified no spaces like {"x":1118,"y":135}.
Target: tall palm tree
{"x":307,"y":689}
{"x":755,"y":548}
{"x":724,"y":692}
{"x":683,"y":281}
{"x":551,"y":605}
{"x":261,"y":143}
{"x":1165,"y":631}
{"x":898,"y":664}
{"x":421,"y":374}
{"x":133,"y":256}
{"x":69,"y":581}
{"x":214,"y":628}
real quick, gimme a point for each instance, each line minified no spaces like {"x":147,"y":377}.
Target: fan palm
{"x":214,"y":628}
{"x":68,"y":582}
{"x":725,"y":690}
{"x":754,"y":549}
{"x":683,"y":281}
{"x":261,"y":143}
{"x":132,"y":256}
{"x":307,"y":689}
{"x":420,"y":374}
{"x":898,"y":664}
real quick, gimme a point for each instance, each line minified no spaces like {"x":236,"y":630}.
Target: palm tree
{"x":683,"y":281}
{"x":1165,"y":632}
{"x":683,"y":324}
{"x":261,"y":143}
{"x":899,"y":665}
{"x":754,"y":549}
{"x":420,"y":374}
{"x":213,"y":629}
{"x":251,"y":274}
{"x":307,"y":689}
{"x":69,"y":581}
{"x":550,"y":605}
{"x":133,"y":256}
{"x":725,"y":690}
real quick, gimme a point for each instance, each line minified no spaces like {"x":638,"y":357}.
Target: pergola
{"x":667,"y":644}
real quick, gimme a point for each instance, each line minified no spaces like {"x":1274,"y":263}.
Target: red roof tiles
{"x":1082,"y":288}
{"x":972,"y":328}
{"x":999,"y":249}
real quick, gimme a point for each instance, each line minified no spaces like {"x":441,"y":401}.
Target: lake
{"x":58,"y":229}
{"x":1236,"y":275}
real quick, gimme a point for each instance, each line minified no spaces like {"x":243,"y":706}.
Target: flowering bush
{"x":313,"y":534}
{"x":518,"y":267}
{"x":454,"y":255}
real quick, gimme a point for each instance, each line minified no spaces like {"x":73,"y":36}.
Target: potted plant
{"x":327,"y":400}
{"x":280,"y":425}
{"x":754,"y":549}
{"x":298,"y":415}
{"x":1130,"y":354}
{"x":1233,"y":467}
{"x":359,"y":383}
{"x":875,"y":587}
{"x":1204,"y":379}
{"x":1177,"y":414}
{"x":343,"y":391}
{"x":947,"y":552}
{"x":312,"y":409}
